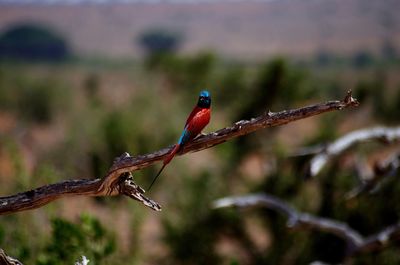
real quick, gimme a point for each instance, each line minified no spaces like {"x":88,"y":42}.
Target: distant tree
{"x":160,"y":41}
{"x":362,"y":59}
{"x":32,"y":42}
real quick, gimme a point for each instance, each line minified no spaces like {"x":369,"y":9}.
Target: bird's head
{"x":204,"y":99}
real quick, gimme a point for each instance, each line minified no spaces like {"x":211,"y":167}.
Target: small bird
{"x":197,"y":120}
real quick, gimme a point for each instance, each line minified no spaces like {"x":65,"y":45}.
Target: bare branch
{"x":355,"y":241}
{"x":308,"y":150}
{"x":295,"y":218}
{"x":345,"y":142}
{"x":372,"y":180}
{"x":381,"y":239}
{"x":7,"y":260}
{"x":117,"y":181}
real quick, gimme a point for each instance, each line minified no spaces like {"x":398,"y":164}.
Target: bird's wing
{"x":185,"y":137}
{"x":194,"y":112}
{"x":199,"y":120}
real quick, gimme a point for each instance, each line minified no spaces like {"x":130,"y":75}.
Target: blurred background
{"x":83,"y":81}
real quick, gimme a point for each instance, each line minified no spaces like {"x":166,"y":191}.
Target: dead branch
{"x":295,"y":218}
{"x":372,"y":180}
{"x":7,"y":260}
{"x":308,"y":150}
{"x":345,"y":142}
{"x":356,"y":243}
{"x":119,"y":181}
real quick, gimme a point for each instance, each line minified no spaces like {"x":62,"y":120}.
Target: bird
{"x":195,"y":123}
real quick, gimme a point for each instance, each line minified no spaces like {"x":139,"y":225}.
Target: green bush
{"x":186,"y":73}
{"x":385,"y":104}
{"x":70,"y":241}
{"x":33,"y":100}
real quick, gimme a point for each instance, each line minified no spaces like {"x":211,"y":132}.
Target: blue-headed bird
{"x":195,"y":123}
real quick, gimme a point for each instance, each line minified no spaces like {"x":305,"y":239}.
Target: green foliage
{"x":71,"y":241}
{"x":32,"y":42}
{"x":191,"y":238}
{"x":2,"y":235}
{"x":230,"y":88}
{"x":385,"y":257}
{"x":34,"y":100}
{"x":10,"y":148}
{"x":36,"y":104}
{"x":277,"y":85}
{"x":189,"y":74}
{"x":91,"y":86}
{"x":385,"y":105}
{"x":190,"y":245}
{"x":327,"y":130}
{"x":116,"y":133}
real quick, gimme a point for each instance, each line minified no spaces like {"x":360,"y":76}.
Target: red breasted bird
{"x":197,"y":120}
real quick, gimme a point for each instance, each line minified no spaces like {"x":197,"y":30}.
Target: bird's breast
{"x":199,"y":120}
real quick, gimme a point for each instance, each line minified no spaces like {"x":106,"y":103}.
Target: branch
{"x":356,"y":243}
{"x":371,"y":180}
{"x":295,"y":219}
{"x":345,"y":142}
{"x":119,"y":181}
{"x":7,"y":260}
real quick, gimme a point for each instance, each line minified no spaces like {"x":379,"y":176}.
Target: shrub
{"x":70,"y":241}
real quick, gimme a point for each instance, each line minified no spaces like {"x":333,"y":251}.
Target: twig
{"x":117,"y":181}
{"x":308,"y":150}
{"x":345,"y":142}
{"x":7,"y":260}
{"x":356,"y":243}
{"x":371,"y":181}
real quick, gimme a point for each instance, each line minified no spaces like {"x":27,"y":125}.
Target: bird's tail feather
{"x":158,"y":174}
{"x":172,"y":154}
{"x":165,"y":162}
